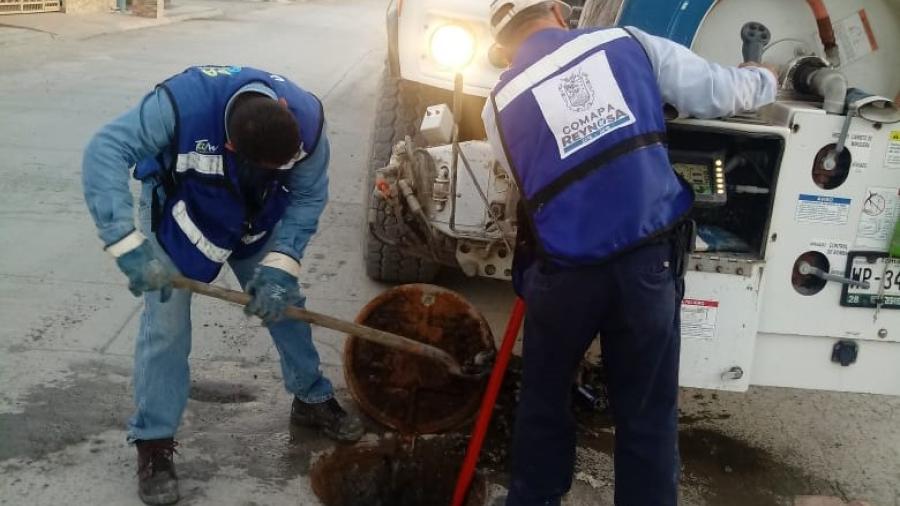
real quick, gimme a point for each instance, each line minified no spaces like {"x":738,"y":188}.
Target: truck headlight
{"x":452,"y":46}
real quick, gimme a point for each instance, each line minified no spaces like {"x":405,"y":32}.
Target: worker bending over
{"x":233,"y":168}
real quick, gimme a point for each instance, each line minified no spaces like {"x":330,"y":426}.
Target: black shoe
{"x":328,"y":417}
{"x":157,"y":482}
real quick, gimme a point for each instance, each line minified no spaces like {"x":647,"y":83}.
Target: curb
{"x":211,"y":12}
{"x":155,"y":22}
{"x":23,"y":35}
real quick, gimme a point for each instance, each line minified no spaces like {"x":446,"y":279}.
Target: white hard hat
{"x":514,"y":7}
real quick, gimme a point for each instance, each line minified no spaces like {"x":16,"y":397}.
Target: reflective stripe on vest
{"x":193,"y":233}
{"x":210,"y":165}
{"x":546,"y":66}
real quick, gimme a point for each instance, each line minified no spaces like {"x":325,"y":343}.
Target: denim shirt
{"x":148,"y":130}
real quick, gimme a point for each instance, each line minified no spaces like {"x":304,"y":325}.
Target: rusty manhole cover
{"x":393,"y":473}
{"x":411,"y":394}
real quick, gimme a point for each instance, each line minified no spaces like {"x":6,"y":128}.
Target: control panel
{"x":705,"y":172}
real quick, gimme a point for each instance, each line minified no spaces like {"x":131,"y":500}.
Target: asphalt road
{"x":68,"y":323}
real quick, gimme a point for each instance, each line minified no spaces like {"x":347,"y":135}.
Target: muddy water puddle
{"x":394,"y":472}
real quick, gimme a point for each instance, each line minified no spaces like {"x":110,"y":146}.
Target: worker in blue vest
{"x":233,"y":168}
{"x":578,"y":119}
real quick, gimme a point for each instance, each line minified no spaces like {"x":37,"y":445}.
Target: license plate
{"x":883,"y":275}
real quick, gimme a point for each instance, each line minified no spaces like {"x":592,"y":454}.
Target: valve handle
{"x":808,"y":269}
{"x":755,"y":37}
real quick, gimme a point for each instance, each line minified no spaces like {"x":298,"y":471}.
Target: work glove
{"x":146,"y":272}
{"x":274,"y":287}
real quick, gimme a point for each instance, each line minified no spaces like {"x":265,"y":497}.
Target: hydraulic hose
{"x":826,"y":31}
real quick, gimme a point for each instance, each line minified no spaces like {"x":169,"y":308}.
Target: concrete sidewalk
{"x":33,"y":28}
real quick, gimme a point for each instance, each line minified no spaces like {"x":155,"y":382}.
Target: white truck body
{"x":749,"y":317}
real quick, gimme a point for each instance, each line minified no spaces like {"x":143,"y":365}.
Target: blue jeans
{"x":633,"y":302}
{"x":161,"y":370}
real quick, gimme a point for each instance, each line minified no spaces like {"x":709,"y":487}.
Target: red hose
{"x":487,"y":403}
{"x":818,"y":7}
{"x":823,"y":21}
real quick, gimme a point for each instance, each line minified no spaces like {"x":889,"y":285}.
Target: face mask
{"x":255,"y":181}
{"x":299,"y":155}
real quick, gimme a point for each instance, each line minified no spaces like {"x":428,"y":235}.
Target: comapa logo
{"x":577,"y":92}
{"x":219,"y":70}
{"x":592,"y":125}
{"x":582,"y":104}
{"x":203,"y":147}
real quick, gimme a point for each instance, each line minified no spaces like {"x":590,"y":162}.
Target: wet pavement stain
{"x":730,"y":471}
{"x":220,"y":392}
{"x":55,"y":417}
{"x":736,"y":473}
{"x":224,"y":429}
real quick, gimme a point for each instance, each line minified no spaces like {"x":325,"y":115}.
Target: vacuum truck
{"x":793,"y":280}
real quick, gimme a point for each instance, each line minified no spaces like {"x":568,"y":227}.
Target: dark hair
{"x":263,"y":130}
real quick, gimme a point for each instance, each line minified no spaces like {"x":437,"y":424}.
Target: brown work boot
{"x":157,"y":482}
{"x":329,"y":418}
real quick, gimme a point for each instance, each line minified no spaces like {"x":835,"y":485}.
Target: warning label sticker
{"x":892,"y":157}
{"x":855,"y":37}
{"x":880,"y":212}
{"x":698,"y":318}
{"x":822,"y":209}
{"x":835,"y":251}
{"x":860,"y":145}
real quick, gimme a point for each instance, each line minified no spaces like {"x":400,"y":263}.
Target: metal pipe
{"x":406,"y":190}
{"x":831,"y":85}
{"x":454,"y":162}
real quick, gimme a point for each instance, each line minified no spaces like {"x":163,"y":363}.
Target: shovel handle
{"x":381,"y":337}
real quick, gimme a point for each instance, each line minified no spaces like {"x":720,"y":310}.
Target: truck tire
{"x":401,"y":105}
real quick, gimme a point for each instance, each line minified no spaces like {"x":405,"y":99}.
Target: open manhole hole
{"x":393,"y":473}
{"x":409,"y":393}
{"x":220,"y":392}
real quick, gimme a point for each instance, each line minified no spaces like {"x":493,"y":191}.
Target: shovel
{"x":476,"y":368}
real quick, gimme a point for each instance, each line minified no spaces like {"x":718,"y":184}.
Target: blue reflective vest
{"x":204,"y":218}
{"x":581,"y":121}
